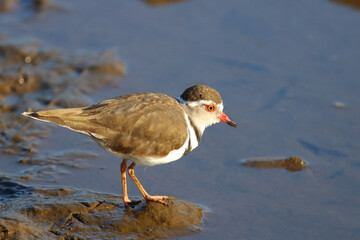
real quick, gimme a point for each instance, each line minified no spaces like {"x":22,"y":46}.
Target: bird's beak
{"x":226,"y":119}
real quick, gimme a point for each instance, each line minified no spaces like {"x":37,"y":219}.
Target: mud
{"x":29,"y":7}
{"x":351,"y":3}
{"x":64,"y":213}
{"x":162,"y":2}
{"x":292,"y":164}
{"x":34,"y":78}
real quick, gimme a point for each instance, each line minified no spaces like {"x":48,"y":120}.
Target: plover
{"x":146,"y":128}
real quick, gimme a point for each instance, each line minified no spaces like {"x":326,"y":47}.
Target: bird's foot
{"x":126,"y":200}
{"x":159,"y":199}
{"x":130,"y":203}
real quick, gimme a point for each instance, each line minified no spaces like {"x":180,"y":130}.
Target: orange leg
{"x":123,"y":166}
{"x":141,"y":188}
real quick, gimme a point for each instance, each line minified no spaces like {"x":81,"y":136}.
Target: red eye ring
{"x":210,"y":108}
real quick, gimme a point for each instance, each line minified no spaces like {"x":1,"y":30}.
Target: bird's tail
{"x":69,"y":118}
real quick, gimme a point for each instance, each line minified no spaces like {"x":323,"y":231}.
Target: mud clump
{"x":162,"y":2}
{"x":351,"y":3}
{"x":61,"y":213}
{"x":293,"y":164}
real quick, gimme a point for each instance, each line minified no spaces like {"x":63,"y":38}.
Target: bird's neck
{"x":197,"y":128}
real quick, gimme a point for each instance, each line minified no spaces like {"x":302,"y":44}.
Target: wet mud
{"x":351,"y":3}
{"x":35,"y":78}
{"x":64,"y":213}
{"x":292,"y":164}
{"x":29,"y":8}
{"x":162,"y":2}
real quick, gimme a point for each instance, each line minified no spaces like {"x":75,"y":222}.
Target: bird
{"x":146,"y":128}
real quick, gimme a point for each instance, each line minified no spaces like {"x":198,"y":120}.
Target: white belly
{"x":172,"y":156}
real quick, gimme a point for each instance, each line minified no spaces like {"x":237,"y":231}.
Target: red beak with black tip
{"x":226,"y":119}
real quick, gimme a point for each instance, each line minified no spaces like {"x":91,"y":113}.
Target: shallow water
{"x":287,"y":71}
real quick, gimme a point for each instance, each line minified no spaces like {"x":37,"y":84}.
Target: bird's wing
{"x":142,"y":125}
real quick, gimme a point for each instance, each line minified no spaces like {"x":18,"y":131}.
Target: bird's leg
{"x":123,"y":166}
{"x":147,"y":197}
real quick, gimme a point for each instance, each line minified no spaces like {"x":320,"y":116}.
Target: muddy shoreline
{"x":51,"y":212}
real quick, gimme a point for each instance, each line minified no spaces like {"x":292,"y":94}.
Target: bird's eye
{"x":210,"y":108}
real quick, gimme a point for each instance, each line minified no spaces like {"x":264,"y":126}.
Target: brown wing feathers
{"x":144,"y":124}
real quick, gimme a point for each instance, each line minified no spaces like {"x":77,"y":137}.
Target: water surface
{"x":281,"y":67}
